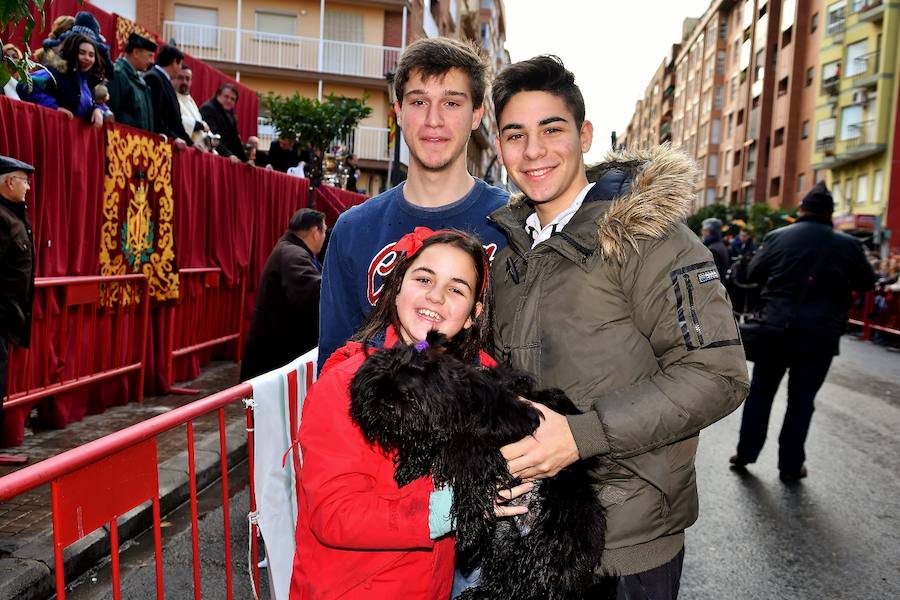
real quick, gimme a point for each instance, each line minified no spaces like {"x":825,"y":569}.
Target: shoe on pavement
{"x":12,"y":460}
{"x":792,"y":476}
{"x":738,"y":463}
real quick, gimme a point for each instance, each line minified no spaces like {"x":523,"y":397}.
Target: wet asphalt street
{"x":836,"y":535}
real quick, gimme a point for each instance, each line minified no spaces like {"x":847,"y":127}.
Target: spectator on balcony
{"x":286,"y":317}
{"x":166,"y":108}
{"x":9,"y":88}
{"x":255,"y":156}
{"x":61,"y":24}
{"x":352,"y":173}
{"x":218,"y":112}
{"x":284,"y":153}
{"x":16,"y":271}
{"x":191,"y":120}
{"x":84,"y":24}
{"x":129,"y":94}
{"x":67,"y":82}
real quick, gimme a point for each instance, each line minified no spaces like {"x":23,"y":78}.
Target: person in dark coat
{"x":166,"y":110}
{"x":16,"y":271}
{"x":808,"y":254}
{"x":285,"y":320}
{"x":218,"y":112}
{"x":284,"y":153}
{"x":129,"y":94}
{"x":742,"y":245}
{"x":712,"y":239}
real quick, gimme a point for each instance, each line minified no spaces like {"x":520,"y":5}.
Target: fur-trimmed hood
{"x":655,"y":194}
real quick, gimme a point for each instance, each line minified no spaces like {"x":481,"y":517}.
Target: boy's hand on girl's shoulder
{"x":545,"y":453}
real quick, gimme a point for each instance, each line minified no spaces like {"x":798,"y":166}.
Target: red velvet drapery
{"x":225,"y":215}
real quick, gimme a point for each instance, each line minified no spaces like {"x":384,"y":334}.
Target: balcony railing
{"x":861,"y":134}
{"x":250,"y":47}
{"x":825,"y":144}
{"x":872,"y":10}
{"x":865,"y":70}
{"x":836,"y":27}
{"x":832,"y":85}
{"x":368,"y":143}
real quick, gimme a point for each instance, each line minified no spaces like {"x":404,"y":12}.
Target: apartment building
{"x":322,"y":47}
{"x":735,"y":94}
{"x":856,"y":110}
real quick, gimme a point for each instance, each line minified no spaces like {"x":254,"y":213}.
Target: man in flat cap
{"x":806,"y":272}
{"x":129,"y":95}
{"x":16,"y":271}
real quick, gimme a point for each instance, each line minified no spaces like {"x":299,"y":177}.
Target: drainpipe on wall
{"x":321,"y":43}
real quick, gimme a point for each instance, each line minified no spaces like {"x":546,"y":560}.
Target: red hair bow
{"x":411,"y":243}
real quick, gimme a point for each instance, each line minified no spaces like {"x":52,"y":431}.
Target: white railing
{"x":368,"y":143}
{"x":371,"y":143}
{"x":282,"y":51}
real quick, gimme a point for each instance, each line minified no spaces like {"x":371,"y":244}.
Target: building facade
{"x":735,"y":94}
{"x":856,"y":111}
{"x":322,"y":47}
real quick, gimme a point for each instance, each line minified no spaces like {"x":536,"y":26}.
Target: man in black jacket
{"x":286,"y":316}
{"x":16,"y":271}
{"x":166,"y":110}
{"x":807,"y":271}
{"x":712,"y":239}
{"x":218,"y":112}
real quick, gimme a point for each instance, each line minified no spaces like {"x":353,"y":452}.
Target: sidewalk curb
{"x":28,"y":572}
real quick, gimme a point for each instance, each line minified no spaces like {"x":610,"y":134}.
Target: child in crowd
{"x":101,"y":98}
{"x":359,"y":535}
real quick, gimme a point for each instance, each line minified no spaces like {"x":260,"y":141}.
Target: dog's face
{"x":403,"y":399}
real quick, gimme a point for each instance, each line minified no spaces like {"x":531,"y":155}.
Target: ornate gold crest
{"x":138,"y":205}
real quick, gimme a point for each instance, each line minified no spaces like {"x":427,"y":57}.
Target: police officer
{"x":16,"y":271}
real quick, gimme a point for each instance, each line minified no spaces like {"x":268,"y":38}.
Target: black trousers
{"x":661,"y":583}
{"x":806,"y":374}
{"x":4,"y":364}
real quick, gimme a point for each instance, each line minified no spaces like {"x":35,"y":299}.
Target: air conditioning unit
{"x":860,"y":97}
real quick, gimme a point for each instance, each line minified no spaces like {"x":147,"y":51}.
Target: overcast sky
{"x":612,"y":47}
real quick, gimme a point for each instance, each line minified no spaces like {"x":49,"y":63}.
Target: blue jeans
{"x":462,"y":581}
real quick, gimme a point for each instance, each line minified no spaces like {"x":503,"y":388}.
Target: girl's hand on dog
{"x":502,"y":508}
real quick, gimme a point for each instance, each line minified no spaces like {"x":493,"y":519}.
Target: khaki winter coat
{"x":624,"y":311}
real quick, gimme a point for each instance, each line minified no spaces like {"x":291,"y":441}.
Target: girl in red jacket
{"x":359,"y":535}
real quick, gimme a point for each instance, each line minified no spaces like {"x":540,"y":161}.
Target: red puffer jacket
{"x":359,"y":536}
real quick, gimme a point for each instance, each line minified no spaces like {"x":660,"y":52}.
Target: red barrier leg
{"x":225,"y":511}
{"x":254,"y":541}
{"x":157,"y":547}
{"x":114,"y":555}
{"x":195,"y":531}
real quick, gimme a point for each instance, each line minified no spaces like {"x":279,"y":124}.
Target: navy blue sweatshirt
{"x":360,"y":253}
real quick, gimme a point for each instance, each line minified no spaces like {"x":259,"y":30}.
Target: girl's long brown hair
{"x":468,"y":342}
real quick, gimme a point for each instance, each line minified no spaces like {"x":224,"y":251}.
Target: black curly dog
{"x":447,"y":419}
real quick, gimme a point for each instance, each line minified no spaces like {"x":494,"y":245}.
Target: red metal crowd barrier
{"x":209,"y":313}
{"x":79,"y":338}
{"x":96,"y":483}
{"x":884,"y":318}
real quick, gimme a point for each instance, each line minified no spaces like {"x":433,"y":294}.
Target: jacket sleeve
{"x":300,"y":278}
{"x":680,"y":306}
{"x":215,"y":126}
{"x":758,"y":270}
{"x":339,"y":312}
{"x":43,"y":90}
{"x":339,"y":476}
{"x":862,"y":276}
{"x":118,"y":94}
